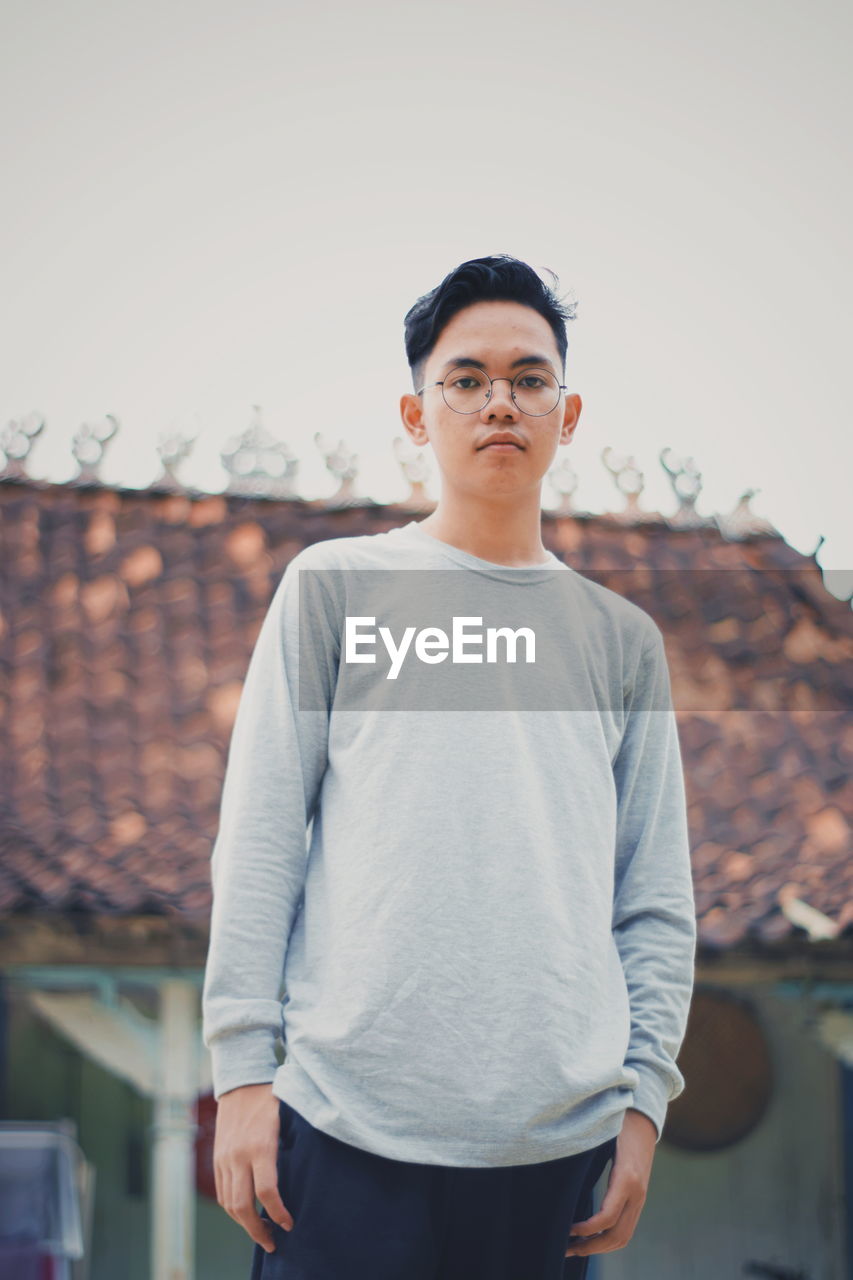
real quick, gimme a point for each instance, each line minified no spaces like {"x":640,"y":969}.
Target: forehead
{"x":496,"y":330}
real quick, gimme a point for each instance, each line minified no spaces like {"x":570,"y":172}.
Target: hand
{"x":614,"y":1223}
{"x":245,"y":1151}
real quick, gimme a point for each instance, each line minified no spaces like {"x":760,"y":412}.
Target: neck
{"x":506,"y":532}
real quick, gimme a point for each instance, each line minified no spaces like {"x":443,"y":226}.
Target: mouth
{"x":502,"y":445}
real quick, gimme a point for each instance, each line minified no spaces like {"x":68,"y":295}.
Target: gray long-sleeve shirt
{"x":470,"y":877}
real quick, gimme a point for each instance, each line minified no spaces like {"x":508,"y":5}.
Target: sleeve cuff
{"x":238,"y":1058}
{"x":651,"y":1096}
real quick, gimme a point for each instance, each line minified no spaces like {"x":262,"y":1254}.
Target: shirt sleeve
{"x":276,"y":761}
{"x":654,"y":915}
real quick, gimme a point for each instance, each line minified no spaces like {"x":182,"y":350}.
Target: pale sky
{"x":209,"y":206}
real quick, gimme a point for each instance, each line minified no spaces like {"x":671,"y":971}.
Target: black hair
{"x":499,"y":277}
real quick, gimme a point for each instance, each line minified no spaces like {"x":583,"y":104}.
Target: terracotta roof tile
{"x":127,"y":619}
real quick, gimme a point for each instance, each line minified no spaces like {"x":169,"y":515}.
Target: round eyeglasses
{"x":468,"y":390}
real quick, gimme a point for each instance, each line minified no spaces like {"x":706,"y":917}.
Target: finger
{"x":598,"y":1244}
{"x":600,"y":1221}
{"x":614,"y":1237}
{"x":257,"y":1227}
{"x":608,"y":1214}
{"x":266,"y":1189}
{"x":241,"y":1207}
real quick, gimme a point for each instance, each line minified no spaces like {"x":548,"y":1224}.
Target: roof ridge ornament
{"x":563,"y":480}
{"x":686,"y":481}
{"x":16,"y":442}
{"x":88,"y":446}
{"x":259,"y":466}
{"x":343,"y":464}
{"x":415,"y":469}
{"x":742,"y":522}
{"x":630,"y":482}
{"x":173,"y":448}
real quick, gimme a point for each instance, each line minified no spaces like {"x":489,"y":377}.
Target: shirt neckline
{"x":534,"y":573}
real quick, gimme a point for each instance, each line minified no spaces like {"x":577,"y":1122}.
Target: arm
{"x":654,"y":916}
{"x":276,"y":760}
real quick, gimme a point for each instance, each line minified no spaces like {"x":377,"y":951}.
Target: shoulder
{"x":360,"y":551}
{"x":616,"y":615}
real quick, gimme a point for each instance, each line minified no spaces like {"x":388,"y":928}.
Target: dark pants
{"x":361,"y":1216}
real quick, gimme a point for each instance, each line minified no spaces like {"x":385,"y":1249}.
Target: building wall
{"x":777,"y":1197}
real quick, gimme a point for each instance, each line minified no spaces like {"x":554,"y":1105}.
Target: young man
{"x":487,"y":946}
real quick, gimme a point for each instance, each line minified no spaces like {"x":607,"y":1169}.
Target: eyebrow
{"x":478,"y":364}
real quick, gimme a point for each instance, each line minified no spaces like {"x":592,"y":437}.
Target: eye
{"x":532,"y":380}
{"x":472,"y":382}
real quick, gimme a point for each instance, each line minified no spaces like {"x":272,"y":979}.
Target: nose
{"x":500,"y":400}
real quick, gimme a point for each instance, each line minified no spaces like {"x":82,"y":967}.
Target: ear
{"x":574,"y":404}
{"x":411,"y":413}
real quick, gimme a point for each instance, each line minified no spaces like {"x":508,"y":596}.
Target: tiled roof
{"x":127,"y":619}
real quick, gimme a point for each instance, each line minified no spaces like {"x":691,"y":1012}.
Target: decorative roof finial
{"x":415,"y":468}
{"x":89,"y":445}
{"x":630,"y":481}
{"x":173,"y":448}
{"x":343,"y":466}
{"x":686,"y":482}
{"x":743,"y":522}
{"x":563,"y":479}
{"x":16,"y":442}
{"x":258,"y":465}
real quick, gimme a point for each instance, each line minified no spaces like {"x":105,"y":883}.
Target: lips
{"x":505,"y":441}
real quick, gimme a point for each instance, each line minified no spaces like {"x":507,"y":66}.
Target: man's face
{"x":498,"y":335}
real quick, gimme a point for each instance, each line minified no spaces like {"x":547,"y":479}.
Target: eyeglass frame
{"x":512,"y":381}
